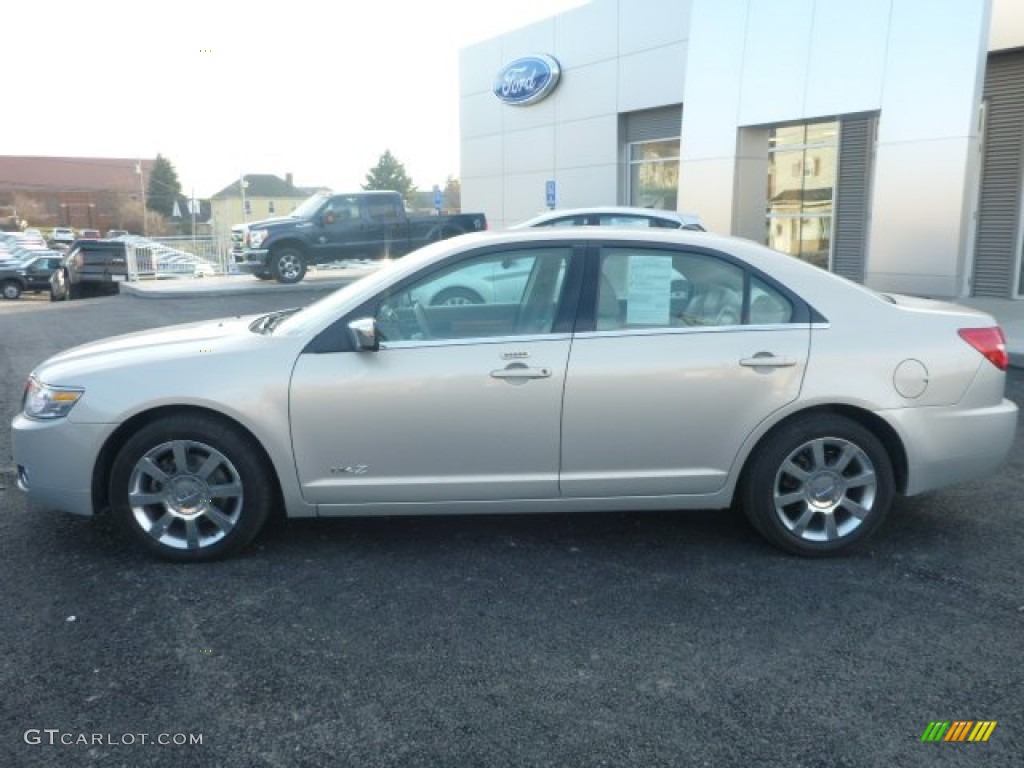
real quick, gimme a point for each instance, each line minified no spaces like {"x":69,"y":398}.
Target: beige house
{"x":254,"y":197}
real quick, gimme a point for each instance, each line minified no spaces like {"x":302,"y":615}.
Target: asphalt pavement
{"x":574,"y":640}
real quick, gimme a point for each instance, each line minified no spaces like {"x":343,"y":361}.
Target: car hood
{"x":209,"y":337}
{"x":265,"y":223}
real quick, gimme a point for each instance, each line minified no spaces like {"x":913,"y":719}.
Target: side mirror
{"x":364,"y":334}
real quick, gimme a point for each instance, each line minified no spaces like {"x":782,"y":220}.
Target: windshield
{"x":309,"y":206}
{"x":320,"y":313}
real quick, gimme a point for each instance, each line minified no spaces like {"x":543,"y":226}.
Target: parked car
{"x":62,"y":236}
{"x":90,"y":268}
{"x":90,"y":234}
{"x":808,"y":400}
{"x":614,"y":216}
{"x":33,"y":274}
{"x":112,"y":233}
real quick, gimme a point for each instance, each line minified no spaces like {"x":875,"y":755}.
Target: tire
{"x":818,"y":486}
{"x":163,"y":481}
{"x":11,"y":289}
{"x":59,"y":286}
{"x":287,"y":265}
{"x":456,"y":296}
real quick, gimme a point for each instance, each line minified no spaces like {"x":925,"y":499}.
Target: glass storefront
{"x":802,"y":162}
{"x":654,"y":174}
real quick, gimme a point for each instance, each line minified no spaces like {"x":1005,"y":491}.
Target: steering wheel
{"x":421,"y":319}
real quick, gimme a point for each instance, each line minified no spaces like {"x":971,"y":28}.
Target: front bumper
{"x":55,"y":461}
{"x":250,"y":261}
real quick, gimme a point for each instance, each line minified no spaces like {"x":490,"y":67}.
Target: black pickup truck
{"x":90,"y":268}
{"x":333,"y":227}
{"x":33,"y":275}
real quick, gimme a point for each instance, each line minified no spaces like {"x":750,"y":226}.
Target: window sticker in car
{"x":650,"y":285}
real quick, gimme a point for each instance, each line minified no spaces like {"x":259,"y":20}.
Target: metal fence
{"x":163,"y":257}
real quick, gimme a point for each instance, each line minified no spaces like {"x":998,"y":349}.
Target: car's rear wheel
{"x":191,"y":488}
{"x":287,"y":265}
{"x":11,"y":290}
{"x":456,"y":296}
{"x":819,"y":485}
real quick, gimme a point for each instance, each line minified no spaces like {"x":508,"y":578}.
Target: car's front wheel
{"x":287,"y":265}
{"x":819,"y":485}
{"x":191,"y":488}
{"x":11,"y":290}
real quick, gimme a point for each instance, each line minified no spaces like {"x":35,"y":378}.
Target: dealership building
{"x":882,"y":139}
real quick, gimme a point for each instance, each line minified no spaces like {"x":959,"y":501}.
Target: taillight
{"x":990,"y":342}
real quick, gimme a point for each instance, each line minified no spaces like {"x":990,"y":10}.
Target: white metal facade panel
{"x":846,"y":63}
{"x":638,"y":89}
{"x":646,"y":24}
{"x":778,"y":37}
{"x":918,"y":217}
{"x":588,"y":34}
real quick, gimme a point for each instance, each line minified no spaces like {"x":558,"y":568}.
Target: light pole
{"x":142,"y":192}
{"x":242,"y":184}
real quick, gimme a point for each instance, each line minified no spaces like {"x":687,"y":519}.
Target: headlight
{"x":256,"y":237}
{"x":43,"y":402}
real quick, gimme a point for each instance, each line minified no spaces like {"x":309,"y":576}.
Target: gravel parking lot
{"x":589,"y":640}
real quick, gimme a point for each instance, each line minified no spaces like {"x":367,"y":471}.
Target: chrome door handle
{"x":521,"y":372}
{"x":767,"y":360}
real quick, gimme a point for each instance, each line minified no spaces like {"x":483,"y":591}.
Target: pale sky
{"x":224,"y":87}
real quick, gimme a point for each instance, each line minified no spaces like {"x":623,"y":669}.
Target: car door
{"x":343,"y":231}
{"x":460,"y":403}
{"x":385,"y":225}
{"x":670,"y":376}
{"x":38,"y":273}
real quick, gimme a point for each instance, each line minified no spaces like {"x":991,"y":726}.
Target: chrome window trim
{"x":665,"y":331}
{"x":475,"y":340}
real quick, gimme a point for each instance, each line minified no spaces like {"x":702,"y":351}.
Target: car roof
{"x":790,"y":270}
{"x":92,"y":244}
{"x":611,"y":210}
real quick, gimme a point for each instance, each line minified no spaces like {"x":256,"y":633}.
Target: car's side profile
{"x":630,"y":370}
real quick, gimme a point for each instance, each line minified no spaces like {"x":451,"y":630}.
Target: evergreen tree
{"x":390,"y":174}
{"x":164,"y":187}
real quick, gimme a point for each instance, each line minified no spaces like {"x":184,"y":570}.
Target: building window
{"x":654,"y":173}
{"x":802,"y":162}
{"x":270,"y":206}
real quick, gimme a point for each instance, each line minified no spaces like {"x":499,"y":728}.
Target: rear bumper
{"x":955,"y":444}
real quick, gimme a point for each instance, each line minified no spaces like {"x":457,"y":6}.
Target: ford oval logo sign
{"x":527,"y":80}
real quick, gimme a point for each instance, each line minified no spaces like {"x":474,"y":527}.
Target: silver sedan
{"x":629,"y":370}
